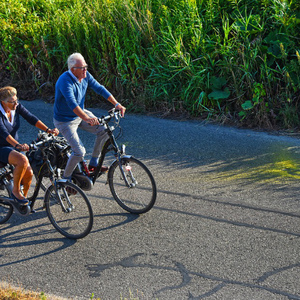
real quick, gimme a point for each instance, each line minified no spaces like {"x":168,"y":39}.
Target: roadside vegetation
{"x":8,"y":292}
{"x":235,"y":61}
{"x":11,"y":293}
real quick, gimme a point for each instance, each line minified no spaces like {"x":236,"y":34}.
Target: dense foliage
{"x":233,"y":59}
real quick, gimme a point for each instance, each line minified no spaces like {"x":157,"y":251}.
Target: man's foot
{"x":103,"y":169}
{"x":70,"y":191}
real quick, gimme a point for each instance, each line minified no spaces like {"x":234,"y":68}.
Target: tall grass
{"x":235,"y":59}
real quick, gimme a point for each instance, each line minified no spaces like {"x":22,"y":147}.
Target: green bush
{"x":214,"y":58}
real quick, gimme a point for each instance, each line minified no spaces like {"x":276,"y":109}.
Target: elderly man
{"x":69,"y":111}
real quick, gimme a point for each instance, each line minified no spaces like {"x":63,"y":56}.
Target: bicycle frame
{"x":55,"y":180}
{"x":110,"y":145}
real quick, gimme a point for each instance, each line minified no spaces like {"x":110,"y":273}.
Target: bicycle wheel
{"x":69,"y":210}
{"x":6,"y":209}
{"x":139,"y":195}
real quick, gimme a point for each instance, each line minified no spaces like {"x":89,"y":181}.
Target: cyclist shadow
{"x":18,"y":228}
{"x":28,"y":236}
{"x":17,"y":220}
{"x":128,"y":218}
{"x":108,"y":217}
{"x":30,"y":232}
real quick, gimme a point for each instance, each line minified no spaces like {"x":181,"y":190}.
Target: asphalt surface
{"x":226,"y":224}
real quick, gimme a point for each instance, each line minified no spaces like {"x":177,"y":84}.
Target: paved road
{"x":225,"y":225}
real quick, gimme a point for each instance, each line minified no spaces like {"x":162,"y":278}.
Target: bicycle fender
{"x":124,"y":156}
{"x":116,"y":162}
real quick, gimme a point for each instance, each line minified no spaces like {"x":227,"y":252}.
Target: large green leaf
{"x":217,"y":82}
{"x":247,"y":105}
{"x":218,"y":94}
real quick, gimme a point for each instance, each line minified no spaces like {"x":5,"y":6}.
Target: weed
{"x":163,"y":54}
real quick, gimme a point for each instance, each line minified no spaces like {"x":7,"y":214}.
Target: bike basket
{"x":36,"y":160}
{"x":62,"y":157}
{"x":38,"y":163}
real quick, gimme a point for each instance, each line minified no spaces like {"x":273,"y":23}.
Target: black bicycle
{"x":67,"y":206}
{"x":131,"y":183}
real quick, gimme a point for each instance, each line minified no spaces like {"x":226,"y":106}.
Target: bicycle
{"x":130,"y":181}
{"x":67,"y":206}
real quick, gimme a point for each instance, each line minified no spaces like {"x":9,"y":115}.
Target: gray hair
{"x":73,"y":59}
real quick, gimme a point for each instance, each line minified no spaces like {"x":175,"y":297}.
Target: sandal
{"x":20,"y":201}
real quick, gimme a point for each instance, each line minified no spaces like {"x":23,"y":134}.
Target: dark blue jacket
{"x":7,"y":129}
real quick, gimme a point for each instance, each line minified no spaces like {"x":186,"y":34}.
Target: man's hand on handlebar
{"x":92,"y":121}
{"x":54,"y":131}
{"x":122,"y":109}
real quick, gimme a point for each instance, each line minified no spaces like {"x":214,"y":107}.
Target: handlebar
{"x":112,"y":113}
{"x":45,"y":139}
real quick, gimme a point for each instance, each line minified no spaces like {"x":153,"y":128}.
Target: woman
{"x":10,"y":112}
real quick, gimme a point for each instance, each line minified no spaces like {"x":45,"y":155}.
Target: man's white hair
{"x":73,"y":59}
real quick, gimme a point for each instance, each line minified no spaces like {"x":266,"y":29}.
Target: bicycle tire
{"x":140,"y":196}
{"x":77,"y":221}
{"x":6,"y":209}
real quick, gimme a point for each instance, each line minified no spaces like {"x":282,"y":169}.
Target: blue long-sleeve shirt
{"x":70,"y":93}
{"x":7,"y":129}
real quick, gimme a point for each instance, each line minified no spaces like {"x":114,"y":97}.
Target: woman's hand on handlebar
{"x":22,"y":147}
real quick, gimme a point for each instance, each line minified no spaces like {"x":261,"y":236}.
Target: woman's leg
{"x":26,"y":181}
{"x":22,"y":172}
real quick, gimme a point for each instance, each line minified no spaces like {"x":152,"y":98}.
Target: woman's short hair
{"x":73,"y":58}
{"x":7,"y":92}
